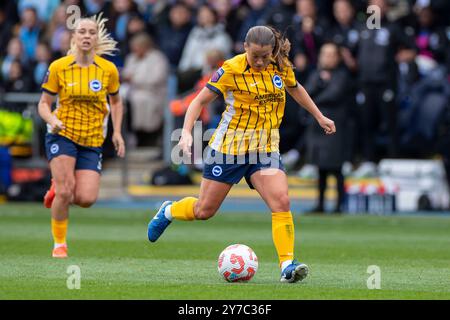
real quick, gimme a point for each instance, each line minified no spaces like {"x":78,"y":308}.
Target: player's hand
{"x":119,"y":144}
{"x":56,"y":125}
{"x":185,"y":142}
{"x":327,"y":125}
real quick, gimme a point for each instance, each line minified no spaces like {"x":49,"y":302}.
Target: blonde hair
{"x":266,"y":35}
{"x":106,"y":45}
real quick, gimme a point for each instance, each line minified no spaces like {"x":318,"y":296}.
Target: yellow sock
{"x":183,"y":209}
{"x":59,"y":230}
{"x":283,"y":235}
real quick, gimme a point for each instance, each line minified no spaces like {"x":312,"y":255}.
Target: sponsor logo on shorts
{"x":216,"y":171}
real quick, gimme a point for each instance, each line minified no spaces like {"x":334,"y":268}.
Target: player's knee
{"x":64,"y":192}
{"x":282,"y":203}
{"x":204,"y":211}
{"x":85,"y":201}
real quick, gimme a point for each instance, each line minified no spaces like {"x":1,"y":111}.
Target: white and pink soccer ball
{"x":237,"y":262}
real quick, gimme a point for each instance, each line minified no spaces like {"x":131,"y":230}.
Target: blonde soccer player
{"x":82,"y":81}
{"x":245,"y":143}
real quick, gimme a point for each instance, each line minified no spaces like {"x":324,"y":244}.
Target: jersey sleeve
{"x":50,"y":84}
{"x":221,"y":80}
{"x":290,"y":80}
{"x":114,"y":83}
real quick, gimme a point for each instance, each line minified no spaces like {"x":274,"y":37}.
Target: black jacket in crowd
{"x":377,"y":50}
{"x":334,"y":98}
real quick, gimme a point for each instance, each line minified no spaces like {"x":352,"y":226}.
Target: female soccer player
{"x":77,"y":127}
{"x":253,"y":85}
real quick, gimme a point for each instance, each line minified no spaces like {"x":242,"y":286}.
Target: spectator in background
{"x":146,"y":71}
{"x":379,"y":52}
{"x":9,"y":8}
{"x":256,"y":15}
{"x":172,"y":36}
{"x":280,"y":16}
{"x":64,"y":45}
{"x":230,"y":16}
{"x":93,"y":6}
{"x":345,"y":32}
{"x":135,"y":26}
{"x":307,"y":37}
{"x":330,"y":87}
{"x":14,"y":53}
{"x":16,"y":82}
{"x":56,"y":28}
{"x":43,"y":58}
{"x":119,"y":13}
{"x":29,"y":32}
{"x":206,"y":35}
{"x":6,"y":28}
{"x":430,"y":39}
{"x":44,"y":8}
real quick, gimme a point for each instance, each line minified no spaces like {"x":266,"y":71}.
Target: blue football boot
{"x":294,"y":272}
{"x":159,"y":223}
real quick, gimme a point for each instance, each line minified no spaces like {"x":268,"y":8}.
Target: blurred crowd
{"x":385,"y":85}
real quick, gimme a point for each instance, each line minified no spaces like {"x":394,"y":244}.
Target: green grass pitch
{"x":117,"y":261}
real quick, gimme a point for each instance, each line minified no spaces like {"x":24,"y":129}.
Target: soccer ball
{"x":237,"y":262}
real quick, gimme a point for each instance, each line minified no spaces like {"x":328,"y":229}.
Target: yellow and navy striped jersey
{"x":82,"y":92}
{"x":254,"y":106}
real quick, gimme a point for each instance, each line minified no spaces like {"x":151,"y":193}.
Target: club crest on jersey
{"x":95,"y":85}
{"x":216,"y":76}
{"x":277,"y":82}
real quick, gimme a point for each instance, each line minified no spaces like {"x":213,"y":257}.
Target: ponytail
{"x":281,"y":50}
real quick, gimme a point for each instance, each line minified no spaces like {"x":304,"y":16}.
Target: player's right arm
{"x":203,"y":99}
{"x":50,"y":88}
{"x":44,"y":109}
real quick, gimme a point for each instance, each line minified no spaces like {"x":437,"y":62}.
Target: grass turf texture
{"x":118,"y":262}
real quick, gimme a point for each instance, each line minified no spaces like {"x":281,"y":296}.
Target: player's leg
{"x":212,"y":194}
{"x":87,"y":176}
{"x":272,"y":185}
{"x":62,"y":168}
{"x":87,"y":185}
{"x":219,"y":175}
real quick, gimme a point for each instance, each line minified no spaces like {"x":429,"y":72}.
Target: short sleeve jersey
{"x":82,"y":91}
{"x":255,"y":102}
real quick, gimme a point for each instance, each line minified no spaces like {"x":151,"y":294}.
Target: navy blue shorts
{"x":231,"y":169}
{"x":88,"y":158}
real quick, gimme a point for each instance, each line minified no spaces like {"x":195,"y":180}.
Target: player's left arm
{"x":302,"y":97}
{"x":116,"y":105}
{"x":117,"y":116}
